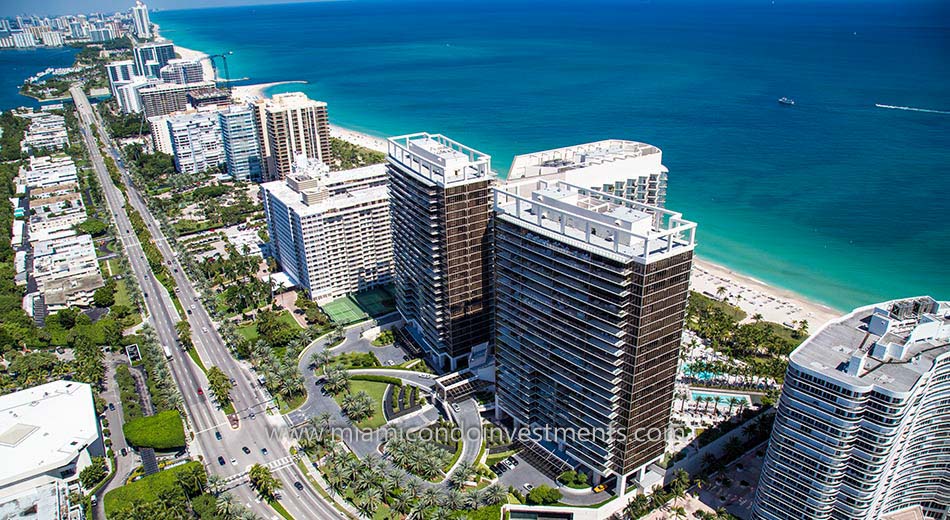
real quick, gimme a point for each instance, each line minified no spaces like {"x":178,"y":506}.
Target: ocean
{"x":19,"y":64}
{"x":835,"y":198}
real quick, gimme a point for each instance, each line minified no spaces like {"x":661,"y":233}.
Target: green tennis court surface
{"x":360,"y":306}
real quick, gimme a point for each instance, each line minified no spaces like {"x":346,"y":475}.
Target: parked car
{"x":246,"y":450}
{"x":233,"y":461}
{"x":217,"y":435}
{"x":111,"y":407}
{"x":599,"y":488}
{"x":263,"y":451}
{"x":528,"y":486}
{"x":124,"y":452}
{"x":456,"y":407}
{"x":221,"y":460}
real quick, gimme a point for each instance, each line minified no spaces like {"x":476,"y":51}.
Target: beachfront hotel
{"x":627,"y":169}
{"x":590,"y":297}
{"x":292,"y":124}
{"x":441,"y":207}
{"x":330,"y":231}
{"x":863,"y":424}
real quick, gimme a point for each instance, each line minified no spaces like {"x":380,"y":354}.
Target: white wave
{"x":913,"y":109}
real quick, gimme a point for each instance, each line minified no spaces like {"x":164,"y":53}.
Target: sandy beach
{"x":756,"y":297}
{"x":374,"y":143}
{"x":257,"y":91}
{"x":193,"y":55}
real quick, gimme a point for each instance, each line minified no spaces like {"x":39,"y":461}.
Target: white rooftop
{"x":44,"y":428}
{"x":439,"y":160}
{"x":591,"y":164}
{"x":597,"y":222}
{"x":344,"y":189}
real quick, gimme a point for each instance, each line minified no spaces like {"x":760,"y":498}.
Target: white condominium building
{"x":140,"y":21}
{"x":119,"y":72}
{"x":242,"y":149}
{"x":196,"y":141}
{"x":48,"y":435}
{"x":182,"y":72}
{"x":627,"y":169}
{"x":330,"y":231}
{"x":862,"y":429}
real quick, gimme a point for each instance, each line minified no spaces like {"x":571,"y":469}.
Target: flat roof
{"x":830,"y":350}
{"x":45,"y":427}
{"x":293,"y":199}
{"x":597,"y":222}
{"x":439,"y":160}
{"x":618,"y":156}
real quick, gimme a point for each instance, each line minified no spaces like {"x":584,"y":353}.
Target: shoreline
{"x":775,"y":304}
{"x":259,"y":90}
{"x":753,"y":296}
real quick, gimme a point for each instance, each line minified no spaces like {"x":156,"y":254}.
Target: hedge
{"x":162,"y":431}
{"x":378,"y":379}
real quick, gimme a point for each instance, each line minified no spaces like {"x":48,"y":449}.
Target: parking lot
{"x":520,"y":474}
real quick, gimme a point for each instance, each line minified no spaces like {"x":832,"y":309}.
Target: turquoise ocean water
{"x":836,"y":199}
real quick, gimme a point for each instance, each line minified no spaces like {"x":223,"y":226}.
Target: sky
{"x":61,"y":7}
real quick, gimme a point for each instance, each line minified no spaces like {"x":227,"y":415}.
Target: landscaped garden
{"x":162,"y":431}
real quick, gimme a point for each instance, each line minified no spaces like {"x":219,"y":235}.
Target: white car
{"x":528,"y":486}
{"x":456,"y":407}
{"x":233,"y":461}
{"x":192,"y":306}
{"x":204,"y":329}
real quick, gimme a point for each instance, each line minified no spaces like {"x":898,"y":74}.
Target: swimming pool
{"x":702,"y":376}
{"x":720,"y":398}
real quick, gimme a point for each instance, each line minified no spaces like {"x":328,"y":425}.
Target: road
{"x":256,"y":430}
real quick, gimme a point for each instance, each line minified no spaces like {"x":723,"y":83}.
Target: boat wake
{"x":913,"y":109}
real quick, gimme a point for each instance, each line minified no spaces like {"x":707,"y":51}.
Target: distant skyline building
{"x":23,"y":40}
{"x":102,"y":35}
{"x":441,"y":207}
{"x":330,"y":231}
{"x":140,"y":21}
{"x":119,"y":73}
{"x":627,"y":169}
{"x":242,"y":150}
{"x":151,"y":57}
{"x":862,"y":429}
{"x":196,"y":141}
{"x":590,"y":297}
{"x":293,"y":124}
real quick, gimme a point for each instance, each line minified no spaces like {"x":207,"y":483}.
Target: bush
{"x":162,"y":431}
{"x":93,"y":473}
{"x":574,"y":479}
{"x":543,"y":494}
{"x":386,"y":337}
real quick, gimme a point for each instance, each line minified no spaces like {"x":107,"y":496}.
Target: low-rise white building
{"x":331,"y":231}
{"x":48,"y":171}
{"x":45,"y":132}
{"x":48,"y":434}
{"x":66,"y":271}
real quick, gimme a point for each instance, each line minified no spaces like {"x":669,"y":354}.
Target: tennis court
{"x":344,"y":311}
{"x":375,"y":302}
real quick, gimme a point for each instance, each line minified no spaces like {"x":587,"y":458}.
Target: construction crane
{"x":214,"y":68}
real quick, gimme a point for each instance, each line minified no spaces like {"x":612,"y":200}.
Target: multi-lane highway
{"x":257,"y":431}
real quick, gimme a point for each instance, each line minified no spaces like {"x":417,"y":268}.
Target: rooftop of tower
{"x":614,"y":154}
{"x":888,"y":345}
{"x":439,"y":160}
{"x":597,"y":222}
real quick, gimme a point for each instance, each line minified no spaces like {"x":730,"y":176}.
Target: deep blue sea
{"x":833,"y":198}
{"x":18,"y":64}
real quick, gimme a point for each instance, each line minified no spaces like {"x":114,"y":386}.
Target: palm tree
{"x":678,"y":513}
{"x":263,"y":480}
{"x":495,"y":494}
{"x":721,"y":292}
{"x":321,"y":358}
{"x":369,"y":501}
{"x":401,"y":503}
{"x":733,"y":401}
{"x":215,"y":484}
{"x":757,"y":317}
{"x":460,"y":476}
{"x":453,"y":500}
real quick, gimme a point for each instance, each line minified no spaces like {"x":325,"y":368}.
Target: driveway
{"x":124,"y":464}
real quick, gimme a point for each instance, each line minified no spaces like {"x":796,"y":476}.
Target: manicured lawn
{"x":122,"y":294}
{"x":249,"y":331}
{"x":287,"y":406}
{"x":161,"y":431}
{"x":145,"y":489}
{"x":375,"y":391}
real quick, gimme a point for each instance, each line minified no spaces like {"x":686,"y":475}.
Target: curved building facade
{"x":863,"y":424}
